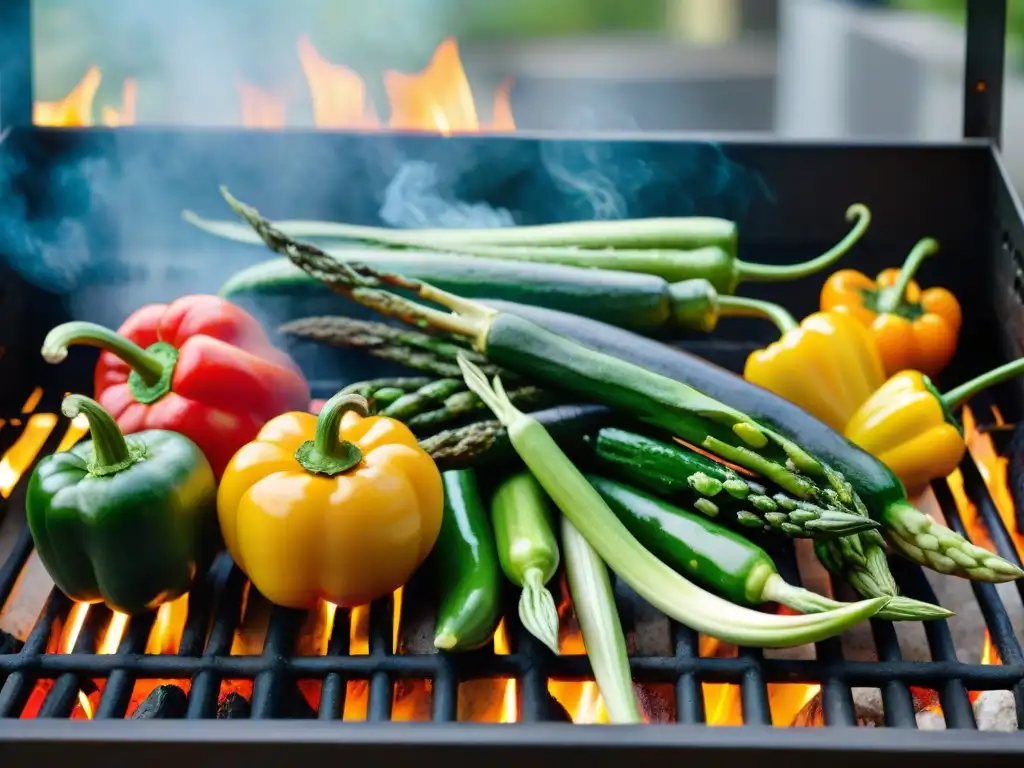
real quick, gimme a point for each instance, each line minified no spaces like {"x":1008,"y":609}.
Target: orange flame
{"x":76,"y":109}
{"x":338,"y":94}
{"x":994,"y":470}
{"x":436,"y":99}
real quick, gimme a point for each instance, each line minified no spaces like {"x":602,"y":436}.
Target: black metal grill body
{"x":117,"y":197}
{"x":789,"y":202}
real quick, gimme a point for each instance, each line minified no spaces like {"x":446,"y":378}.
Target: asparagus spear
{"x":457,"y":448}
{"x":414,"y":349}
{"x":464,"y":404}
{"x":424,"y":398}
{"x":403,"y":384}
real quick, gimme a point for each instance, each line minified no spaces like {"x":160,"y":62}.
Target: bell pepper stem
{"x":110,"y":451}
{"x":773,"y":273}
{"x":738,"y":306}
{"x":327,"y":454}
{"x":961,"y":394}
{"x":55,"y":348}
{"x":889,"y":299}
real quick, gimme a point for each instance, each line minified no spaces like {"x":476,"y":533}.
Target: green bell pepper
{"x":125,"y":521}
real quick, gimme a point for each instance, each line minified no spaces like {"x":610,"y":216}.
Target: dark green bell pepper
{"x":125,"y":521}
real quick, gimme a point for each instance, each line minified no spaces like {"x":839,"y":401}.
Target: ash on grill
{"x":220,"y":652}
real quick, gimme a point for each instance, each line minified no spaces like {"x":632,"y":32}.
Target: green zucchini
{"x":465,"y":566}
{"x":642,"y":303}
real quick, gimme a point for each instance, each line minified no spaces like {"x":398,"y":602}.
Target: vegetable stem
{"x":662,"y":587}
{"x":964,"y":392}
{"x":594,"y":603}
{"x":890,"y":299}
{"x":770,"y":273}
{"x":738,"y":306}
{"x":55,"y":348}
{"x":110,"y":451}
{"x":327,"y":454}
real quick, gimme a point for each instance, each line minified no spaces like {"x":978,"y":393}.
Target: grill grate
{"x":215,"y":610}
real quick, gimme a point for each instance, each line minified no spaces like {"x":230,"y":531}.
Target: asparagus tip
{"x":907,"y":609}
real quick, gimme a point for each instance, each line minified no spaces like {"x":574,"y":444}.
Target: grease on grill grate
{"x":224,"y":652}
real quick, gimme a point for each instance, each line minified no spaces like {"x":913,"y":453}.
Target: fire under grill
{"x":223,"y":652}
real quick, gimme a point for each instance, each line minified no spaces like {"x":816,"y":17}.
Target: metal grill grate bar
{"x":202,"y":700}
{"x":378,"y":708}
{"x":18,"y":686}
{"x":60,"y":701}
{"x":117,"y":693}
{"x":276,"y":670}
{"x":271,"y":687}
{"x":332,"y":694}
{"x":689,"y":696}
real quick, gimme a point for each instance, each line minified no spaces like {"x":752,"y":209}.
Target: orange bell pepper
{"x":914,"y":329}
{"x":342,"y":507}
{"x":828,"y":364}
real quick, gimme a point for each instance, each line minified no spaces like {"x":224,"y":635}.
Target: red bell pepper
{"x":199,"y":366}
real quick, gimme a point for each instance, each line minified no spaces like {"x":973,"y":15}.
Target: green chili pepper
{"x":466,"y":568}
{"x":125,"y":521}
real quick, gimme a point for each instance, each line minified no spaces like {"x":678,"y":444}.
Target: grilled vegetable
{"x":642,"y":303}
{"x":724,"y":560}
{"x":401,"y":385}
{"x":486,"y":443}
{"x":466,"y":568}
{"x":528,"y":551}
{"x":859,"y":559}
{"x":910,"y":426}
{"x":654,"y":581}
{"x":594,"y":604}
{"x":549,"y":359}
{"x":828,"y":365}
{"x":913,"y":329}
{"x":200,"y":366}
{"x":640,"y":387}
{"x":340,"y":507}
{"x":684,"y":249}
{"x":428,"y":405}
{"x":716,"y":490}
{"x":124,"y":521}
{"x":414,"y":349}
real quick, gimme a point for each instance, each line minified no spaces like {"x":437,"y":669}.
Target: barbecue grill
{"x":329,"y":684}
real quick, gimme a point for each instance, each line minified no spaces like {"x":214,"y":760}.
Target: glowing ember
{"x":436,"y":99}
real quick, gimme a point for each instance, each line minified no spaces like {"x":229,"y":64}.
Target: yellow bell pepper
{"x":342,"y":506}
{"x":909,"y":425}
{"x":828,"y":365}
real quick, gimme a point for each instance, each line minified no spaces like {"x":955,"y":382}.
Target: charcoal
{"x":296,"y":707}
{"x":165,"y":702}
{"x":9,"y":643}
{"x":555,"y":712}
{"x":233,"y":706}
{"x":996,"y":711}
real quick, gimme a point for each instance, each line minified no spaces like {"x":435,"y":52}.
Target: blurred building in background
{"x":822,"y":69}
